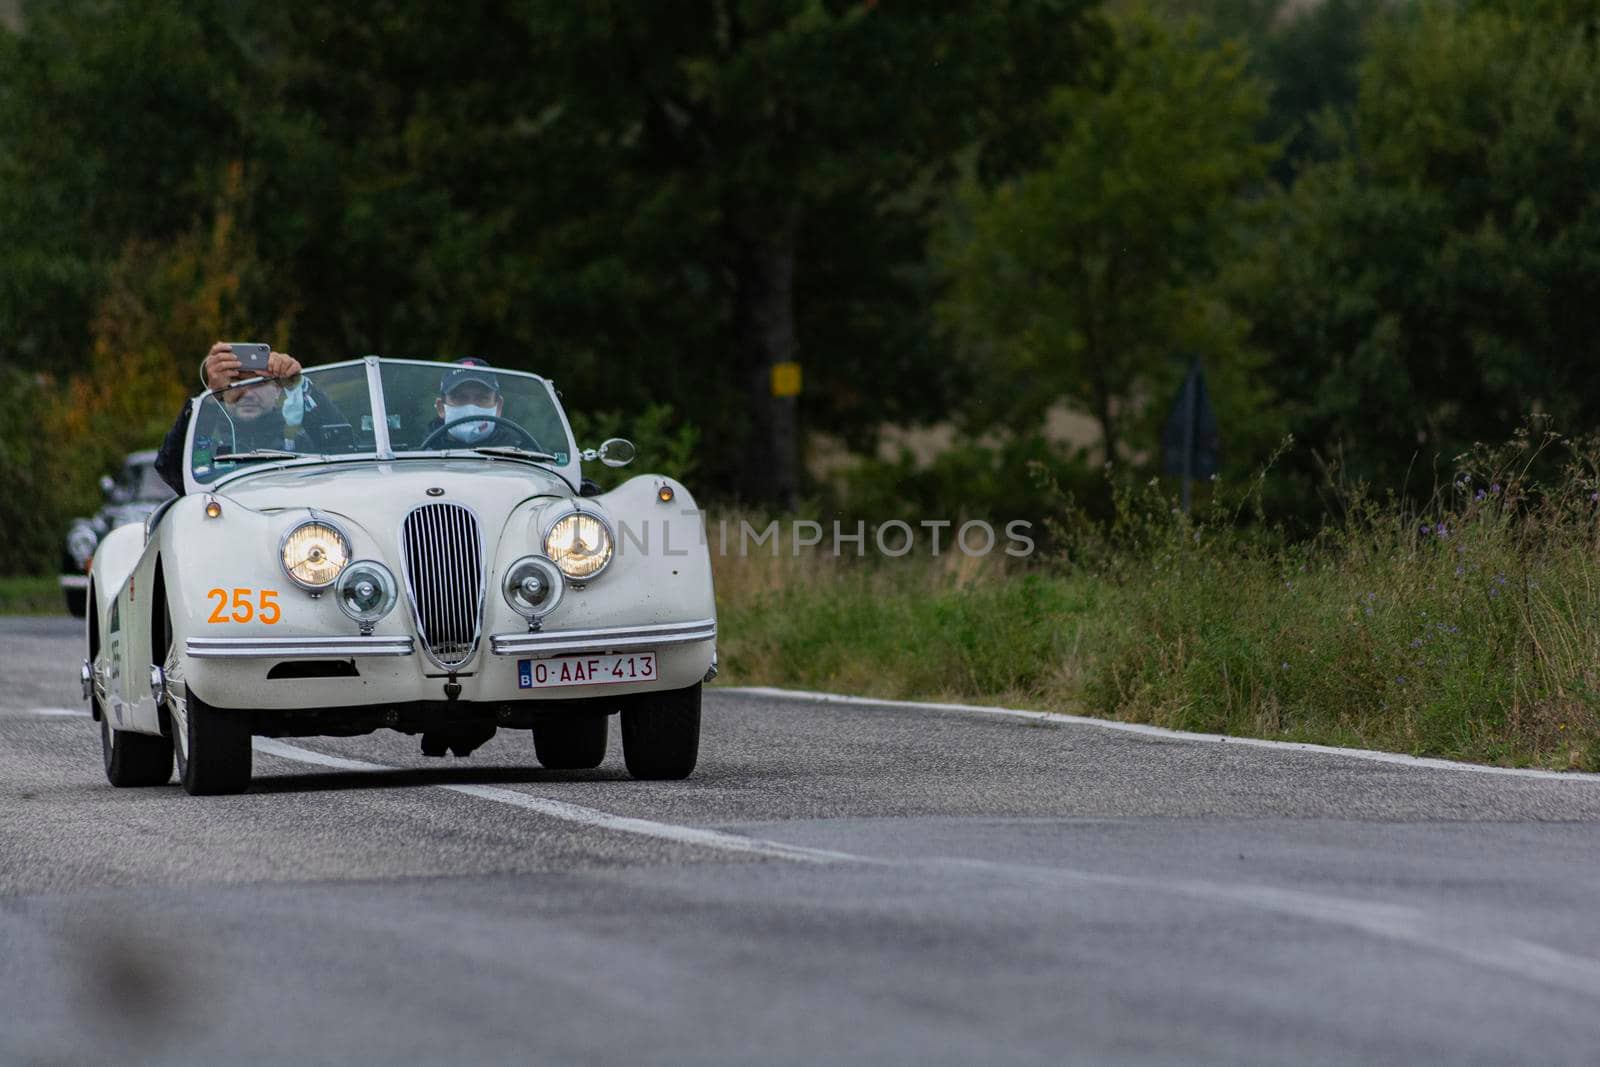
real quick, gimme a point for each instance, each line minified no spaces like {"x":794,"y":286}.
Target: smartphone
{"x":252,"y":357}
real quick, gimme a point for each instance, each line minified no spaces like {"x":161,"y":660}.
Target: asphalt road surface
{"x":839,"y":882}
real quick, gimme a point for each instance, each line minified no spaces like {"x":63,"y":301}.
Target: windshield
{"x":323,"y":412}
{"x":434,"y":406}
{"x":327,"y":412}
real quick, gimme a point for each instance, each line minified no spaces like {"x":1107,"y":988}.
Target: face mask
{"x":469,"y":431}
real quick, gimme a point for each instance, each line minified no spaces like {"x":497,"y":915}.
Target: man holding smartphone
{"x":219,"y":370}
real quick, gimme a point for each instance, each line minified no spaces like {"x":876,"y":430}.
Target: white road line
{"x":559,"y":809}
{"x":1406,"y":924}
{"x":1402,"y":923}
{"x":1424,"y":762}
{"x":55,"y":711}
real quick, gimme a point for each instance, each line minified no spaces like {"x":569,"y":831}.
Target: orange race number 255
{"x":247,"y":605}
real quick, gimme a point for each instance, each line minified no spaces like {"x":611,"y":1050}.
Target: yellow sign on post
{"x":786,"y":379}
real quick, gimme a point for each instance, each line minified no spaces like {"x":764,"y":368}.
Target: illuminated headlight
{"x":81,"y":542}
{"x":314,"y":553}
{"x":580,"y":544}
{"x":366,"y":591}
{"x":532,"y":587}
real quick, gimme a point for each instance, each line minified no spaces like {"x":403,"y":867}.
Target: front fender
{"x":225,"y":579}
{"x":114,"y":559}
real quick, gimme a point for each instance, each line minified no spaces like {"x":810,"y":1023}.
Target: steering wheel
{"x":429,"y":441}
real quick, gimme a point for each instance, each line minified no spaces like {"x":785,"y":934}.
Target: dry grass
{"x":1468,"y":629}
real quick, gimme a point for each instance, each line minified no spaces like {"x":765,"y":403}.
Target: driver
{"x":470,"y":391}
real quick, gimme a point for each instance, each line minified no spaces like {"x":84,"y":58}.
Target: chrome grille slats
{"x":442,"y":547}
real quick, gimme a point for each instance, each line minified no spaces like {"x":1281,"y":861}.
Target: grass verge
{"x":1468,"y":630}
{"x":31,"y":596}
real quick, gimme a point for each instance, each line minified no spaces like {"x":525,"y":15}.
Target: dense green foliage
{"x":1087,"y":276}
{"x":1440,"y":278}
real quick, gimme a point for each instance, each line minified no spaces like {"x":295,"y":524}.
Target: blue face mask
{"x":468,"y":432}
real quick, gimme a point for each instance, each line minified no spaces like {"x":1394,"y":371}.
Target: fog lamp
{"x":366,"y":592}
{"x":533,"y":587}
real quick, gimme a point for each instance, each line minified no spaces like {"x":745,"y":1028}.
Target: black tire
{"x":211,"y":745}
{"x":217,"y":760}
{"x":571,"y":742}
{"x":134,"y":759}
{"x":77,"y":602}
{"x":661,"y":734}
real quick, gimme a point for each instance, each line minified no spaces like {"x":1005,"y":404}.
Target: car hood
{"x":360,"y":489}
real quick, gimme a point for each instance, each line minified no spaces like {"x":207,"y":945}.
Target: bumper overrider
{"x":536,"y":644}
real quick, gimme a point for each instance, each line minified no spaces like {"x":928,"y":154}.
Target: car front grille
{"x":443,"y":551}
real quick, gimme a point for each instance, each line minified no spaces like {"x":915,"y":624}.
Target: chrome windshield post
{"x":380,"y":415}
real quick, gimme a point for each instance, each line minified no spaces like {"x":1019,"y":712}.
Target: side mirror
{"x":615,"y":452}
{"x":107,"y":484}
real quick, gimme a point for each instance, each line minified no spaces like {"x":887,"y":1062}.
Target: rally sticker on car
{"x":586,"y":670}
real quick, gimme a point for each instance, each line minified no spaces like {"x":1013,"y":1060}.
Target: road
{"x":839,"y":882}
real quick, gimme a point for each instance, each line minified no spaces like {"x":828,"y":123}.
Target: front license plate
{"x":585,"y":670}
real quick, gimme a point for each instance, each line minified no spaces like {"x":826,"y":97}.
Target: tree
{"x":117,"y":123}
{"x":1441,"y":278}
{"x":757,"y":120}
{"x":1086,"y":277}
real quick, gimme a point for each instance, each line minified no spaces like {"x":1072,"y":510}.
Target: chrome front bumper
{"x":297,"y":647}
{"x":610,"y":639}
{"x":74,"y":581}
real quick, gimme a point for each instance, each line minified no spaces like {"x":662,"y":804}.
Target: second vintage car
{"x":130,"y":498}
{"x":405,"y":545}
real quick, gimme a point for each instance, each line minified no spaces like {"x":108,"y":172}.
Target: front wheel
{"x":571,"y":742}
{"x":212,"y":747}
{"x":77,"y":602}
{"x":661,"y":733}
{"x":134,"y":759}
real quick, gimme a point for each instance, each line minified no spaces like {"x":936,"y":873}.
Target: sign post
{"x":1189,"y":442}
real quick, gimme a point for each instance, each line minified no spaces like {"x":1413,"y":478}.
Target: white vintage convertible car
{"x":353,"y":551}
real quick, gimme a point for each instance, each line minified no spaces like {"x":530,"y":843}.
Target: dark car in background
{"x":130,"y":497}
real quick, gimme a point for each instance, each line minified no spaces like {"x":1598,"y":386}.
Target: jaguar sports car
{"x":403,"y":545}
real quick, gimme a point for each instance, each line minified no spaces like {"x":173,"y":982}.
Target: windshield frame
{"x":571,"y":472}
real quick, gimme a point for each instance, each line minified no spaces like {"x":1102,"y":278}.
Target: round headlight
{"x":580,"y":544}
{"x":314,"y":553}
{"x":366,"y":591}
{"x":81,"y":542}
{"x":532,"y":587}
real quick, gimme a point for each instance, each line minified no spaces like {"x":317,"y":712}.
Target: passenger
{"x":255,"y":416}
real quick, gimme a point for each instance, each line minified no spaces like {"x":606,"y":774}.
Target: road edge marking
{"x":1065,"y":719}
{"x":575,"y":813}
